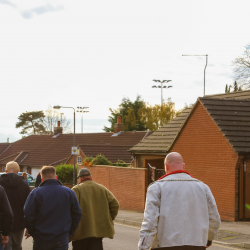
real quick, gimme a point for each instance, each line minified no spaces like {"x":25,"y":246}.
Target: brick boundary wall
{"x":128,"y":185}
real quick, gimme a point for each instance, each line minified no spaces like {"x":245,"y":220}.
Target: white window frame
{"x":79,"y":159}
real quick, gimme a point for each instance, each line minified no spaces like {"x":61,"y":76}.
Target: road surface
{"x":126,"y":238}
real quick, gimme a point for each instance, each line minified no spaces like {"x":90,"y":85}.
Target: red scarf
{"x":87,"y":179}
{"x":175,"y":172}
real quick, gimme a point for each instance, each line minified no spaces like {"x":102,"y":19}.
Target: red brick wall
{"x":71,"y":160}
{"x":211,"y":159}
{"x":127,"y":184}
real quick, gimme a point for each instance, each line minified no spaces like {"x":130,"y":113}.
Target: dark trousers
{"x":51,"y":245}
{"x":88,"y":244}
{"x":15,"y":240}
{"x":180,"y":248}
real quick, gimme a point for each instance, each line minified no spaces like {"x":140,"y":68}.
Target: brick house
{"x":214,"y":139}
{"x":215,"y":144}
{"x":35,"y":151}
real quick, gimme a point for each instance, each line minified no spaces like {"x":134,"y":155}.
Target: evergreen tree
{"x":140,"y":116}
{"x":31,"y":122}
{"x":128,"y":110}
{"x":228,"y":88}
{"x":235,"y":86}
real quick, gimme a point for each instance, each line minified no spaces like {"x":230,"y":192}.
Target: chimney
{"x":118,"y":126}
{"x":119,"y":119}
{"x":58,"y":130}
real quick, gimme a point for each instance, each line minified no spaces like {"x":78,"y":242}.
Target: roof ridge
{"x":230,"y":93}
{"x":225,"y":98}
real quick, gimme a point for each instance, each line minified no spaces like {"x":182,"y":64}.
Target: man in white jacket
{"x":180,"y":211}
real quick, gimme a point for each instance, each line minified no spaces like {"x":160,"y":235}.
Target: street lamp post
{"x":82,"y":111}
{"x":204,"y":68}
{"x":74,"y":137}
{"x":161,"y":86}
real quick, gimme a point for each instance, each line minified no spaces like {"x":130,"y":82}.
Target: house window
{"x":79,"y":160}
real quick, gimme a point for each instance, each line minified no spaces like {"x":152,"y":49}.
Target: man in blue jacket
{"x":52,"y":213}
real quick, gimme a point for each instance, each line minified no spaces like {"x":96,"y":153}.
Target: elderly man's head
{"x":84,"y":174}
{"x":48,"y":172}
{"x":173,"y":162}
{"x":12,"y":167}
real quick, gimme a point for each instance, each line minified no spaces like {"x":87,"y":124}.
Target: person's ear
{"x":56,"y":177}
{"x":183,"y":166}
{"x":5,"y":171}
{"x":42,"y":179}
{"x":166,"y":167}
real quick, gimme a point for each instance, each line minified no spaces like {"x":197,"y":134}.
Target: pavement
{"x":235,"y":234}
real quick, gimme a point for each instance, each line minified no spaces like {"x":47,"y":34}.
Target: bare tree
{"x":242,"y":68}
{"x":52,"y":117}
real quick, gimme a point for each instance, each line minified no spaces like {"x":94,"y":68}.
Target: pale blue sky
{"x":93,"y":53}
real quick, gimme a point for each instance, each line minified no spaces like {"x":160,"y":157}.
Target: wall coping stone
{"x":107,"y":166}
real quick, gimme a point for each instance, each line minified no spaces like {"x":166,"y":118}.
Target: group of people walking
{"x":54,"y":215}
{"x":180,"y":211}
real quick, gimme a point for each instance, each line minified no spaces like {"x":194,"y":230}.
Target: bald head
{"x":12,"y":167}
{"x":173,"y":162}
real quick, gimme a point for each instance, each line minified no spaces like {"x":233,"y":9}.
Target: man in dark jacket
{"x":17,"y":190}
{"x":52,"y":213}
{"x":6,"y":218}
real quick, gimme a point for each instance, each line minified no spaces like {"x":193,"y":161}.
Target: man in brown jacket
{"x":99,"y":209}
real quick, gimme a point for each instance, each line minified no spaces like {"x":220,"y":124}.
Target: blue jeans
{"x":61,"y":245}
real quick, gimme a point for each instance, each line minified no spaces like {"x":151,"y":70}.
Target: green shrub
{"x":64,"y":173}
{"x":120,"y":163}
{"x":101,"y":160}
